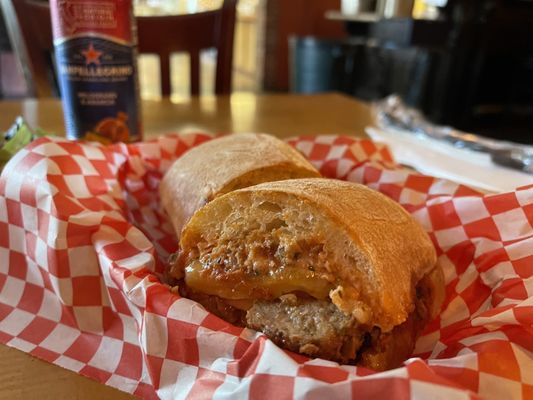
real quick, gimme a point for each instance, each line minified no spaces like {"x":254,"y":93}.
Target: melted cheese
{"x":243,"y":287}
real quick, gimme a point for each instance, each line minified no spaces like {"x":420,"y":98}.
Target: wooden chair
{"x":191,"y":33}
{"x":30,"y":30}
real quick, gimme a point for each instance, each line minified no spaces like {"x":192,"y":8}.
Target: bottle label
{"x":95,"y":58}
{"x":97,"y":85}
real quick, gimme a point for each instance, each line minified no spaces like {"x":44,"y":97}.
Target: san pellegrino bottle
{"x":96,"y":61}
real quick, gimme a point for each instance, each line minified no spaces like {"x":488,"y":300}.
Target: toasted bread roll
{"x":225,"y":164}
{"x":323,"y":267}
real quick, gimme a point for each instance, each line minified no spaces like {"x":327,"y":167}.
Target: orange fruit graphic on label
{"x":115,"y":129}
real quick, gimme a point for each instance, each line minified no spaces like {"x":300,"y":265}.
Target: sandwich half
{"x":224,"y":164}
{"x":323,"y":267}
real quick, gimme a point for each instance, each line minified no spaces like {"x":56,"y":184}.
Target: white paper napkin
{"x":440,"y":159}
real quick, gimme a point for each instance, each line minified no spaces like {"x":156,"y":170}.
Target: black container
{"x":316,"y":65}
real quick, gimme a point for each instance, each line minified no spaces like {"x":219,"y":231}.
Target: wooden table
{"x":25,"y":377}
{"x":278,"y":114}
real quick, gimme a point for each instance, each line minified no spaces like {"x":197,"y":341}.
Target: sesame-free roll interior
{"x":227,"y":163}
{"x":323,"y":267}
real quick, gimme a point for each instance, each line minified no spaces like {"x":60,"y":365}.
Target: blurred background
{"x":466,"y":63}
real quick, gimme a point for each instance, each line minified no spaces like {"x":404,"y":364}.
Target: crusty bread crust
{"x":390,"y":251}
{"x":391,"y":349}
{"x":225,"y":164}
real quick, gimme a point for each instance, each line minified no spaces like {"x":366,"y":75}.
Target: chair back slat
{"x":195,"y":72}
{"x":164,"y":68}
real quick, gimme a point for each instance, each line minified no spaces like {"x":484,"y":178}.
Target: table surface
{"x":278,"y":114}
{"x":25,"y":377}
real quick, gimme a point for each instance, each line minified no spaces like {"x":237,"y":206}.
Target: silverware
{"x":514,"y":158}
{"x":393,"y":113}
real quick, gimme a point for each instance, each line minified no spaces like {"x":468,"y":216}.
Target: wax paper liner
{"x":82,"y":240}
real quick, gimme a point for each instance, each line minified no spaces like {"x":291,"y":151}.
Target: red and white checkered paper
{"x":82,"y":240}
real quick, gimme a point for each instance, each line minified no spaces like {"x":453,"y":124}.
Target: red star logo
{"x":92,"y":56}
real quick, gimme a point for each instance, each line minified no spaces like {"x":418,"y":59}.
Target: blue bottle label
{"x":97,"y":79}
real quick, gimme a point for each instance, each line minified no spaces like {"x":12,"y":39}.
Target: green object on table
{"x":16,"y":137}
